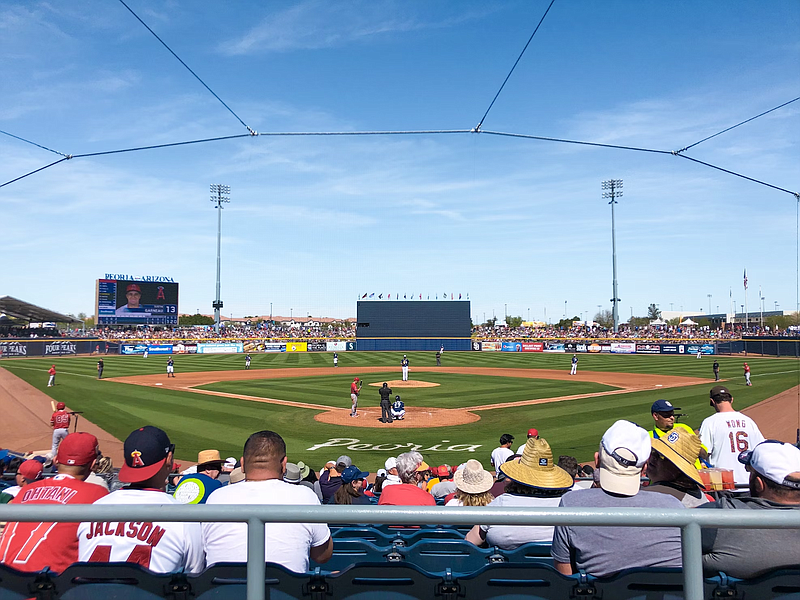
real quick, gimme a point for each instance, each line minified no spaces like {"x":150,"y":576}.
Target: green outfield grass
{"x":454,"y":391}
{"x":195,"y":422}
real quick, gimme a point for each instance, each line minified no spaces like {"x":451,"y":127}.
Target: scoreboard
{"x":136,"y":302}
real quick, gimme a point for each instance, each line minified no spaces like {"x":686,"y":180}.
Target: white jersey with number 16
{"x":726,"y":434}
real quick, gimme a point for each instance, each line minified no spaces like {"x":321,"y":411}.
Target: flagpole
{"x":746,"y":320}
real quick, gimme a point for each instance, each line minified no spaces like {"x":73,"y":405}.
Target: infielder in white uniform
{"x":727,"y":433}
{"x":404,"y":364}
{"x":162,"y":546}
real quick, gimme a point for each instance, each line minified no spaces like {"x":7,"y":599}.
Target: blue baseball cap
{"x":353,"y":473}
{"x":660,"y":406}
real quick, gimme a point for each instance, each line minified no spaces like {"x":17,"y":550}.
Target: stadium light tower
{"x":614,"y":187}
{"x":219,"y":195}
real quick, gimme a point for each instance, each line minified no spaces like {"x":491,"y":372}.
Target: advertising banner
{"x":491,"y":346}
{"x":60,"y":348}
{"x":274,"y":347}
{"x":511,"y":347}
{"x":220,"y":348}
{"x":476,"y":346}
{"x":669,"y":349}
{"x":317,"y":347}
{"x":623,"y":348}
{"x":594,"y":348}
{"x":336,"y":346}
{"x":554,"y":347}
{"x":532,"y":346}
{"x":132,"y":348}
{"x":351,"y":346}
{"x":703,"y":348}
{"x":160,"y":349}
{"x":296,"y":346}
{"x":605,"y":348}
{"x":13,"y":349}
{"x":575,"y":347}
{"x":191,"y":348}
{"x":648,"y":348}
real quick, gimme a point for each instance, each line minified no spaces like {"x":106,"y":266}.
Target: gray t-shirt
{"x":747,"y":553}
{"x":443,"y":488}
{"x":602,"y":551}
{"x":508,"y":537}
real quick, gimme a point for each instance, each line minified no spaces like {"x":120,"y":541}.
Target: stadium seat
{"x":537,"y":552}
{"x":438,"y":556}
{"x":16,"y":585}
{"x":504,"y":581}
{"x":781,"y":584}
{"x":117,"y":581}
{"x":228,"y":581}
{"x":387,"y":581}
{"x":350,"y":551}
{"x":642,"y":584}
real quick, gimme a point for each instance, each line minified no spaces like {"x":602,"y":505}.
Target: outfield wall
{"x":413,"y":344}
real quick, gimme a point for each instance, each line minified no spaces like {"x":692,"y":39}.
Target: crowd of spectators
{"x":644,"y":333}
{"x":632,"y":469}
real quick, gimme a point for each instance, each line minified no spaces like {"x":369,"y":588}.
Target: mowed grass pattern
{"x":196,"y":421}
{"x":454,"y":391}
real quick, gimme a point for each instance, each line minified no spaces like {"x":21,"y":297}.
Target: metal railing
{"x":690,"y":522}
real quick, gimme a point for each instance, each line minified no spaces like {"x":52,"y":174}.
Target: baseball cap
{"x":343,"y":460}
{"x":391,"y":463}
{"x":237,"y":475}
{"x":133,"y":288}
{"x":719,"y":390}
{"x":353,"y":473}
{"x":663,"y":406}
{"x":77,"y":449}
{"x":442,"y":471}
{"x":60,"y":406}
{"x":533,"y":432}
{"x":30,"y":469}
{"x":774,"y":460}
{"x":145,"y":451}
{"x":624,"y":450}
{"x":397,"y":397}
{"x":423,"y":466}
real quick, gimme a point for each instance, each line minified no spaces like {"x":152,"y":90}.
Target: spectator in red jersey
{"x":409,"y":467}
{"x":34,"y":546}
{"x":60,"y":423}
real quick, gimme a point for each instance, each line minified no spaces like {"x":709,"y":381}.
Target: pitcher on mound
{"x":355,"y":390}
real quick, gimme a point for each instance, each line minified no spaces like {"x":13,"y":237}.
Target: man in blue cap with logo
{"x":664,"y":416}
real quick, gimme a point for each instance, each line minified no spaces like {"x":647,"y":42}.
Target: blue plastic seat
{"x":781,"y":584}
{"x":505,"y":581}
{"x":350,"y":551}
{"x":459,"y":556}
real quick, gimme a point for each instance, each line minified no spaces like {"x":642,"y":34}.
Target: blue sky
{"x":316,"y":221}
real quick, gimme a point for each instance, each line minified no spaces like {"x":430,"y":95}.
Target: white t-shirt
{"x":725,"y":435}
{"x":287,"y":544}
{"x":160,"y":546}
{"x":499,"y":456}
{"x":510,"y":537}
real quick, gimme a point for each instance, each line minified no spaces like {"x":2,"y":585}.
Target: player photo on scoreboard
{"x":141,"y":299}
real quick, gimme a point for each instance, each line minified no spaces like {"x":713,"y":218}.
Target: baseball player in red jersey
{"x":162,"y":547}
{"x":60,"y":424}
{"x":52,"y":372}
{"x":34,"y":546}
{"x":355,"y":390}
{"x":747,"y":374}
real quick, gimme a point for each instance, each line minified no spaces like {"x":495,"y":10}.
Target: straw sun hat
{"x":682,"y":449}
{"x":536,"y":469}
{"x":472,"y":479}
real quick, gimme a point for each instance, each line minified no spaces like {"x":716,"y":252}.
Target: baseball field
{"x":455,"y":412}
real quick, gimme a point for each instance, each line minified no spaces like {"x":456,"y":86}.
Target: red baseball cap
{"x":78,"y":449}
{"x":533,"y":432}
{"x":443,"y":471}
{"x":145,"y":451}
{"x":30,"y":469}
{"x":133,"y":288}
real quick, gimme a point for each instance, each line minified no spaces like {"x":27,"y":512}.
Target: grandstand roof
{"x":32,"y":313}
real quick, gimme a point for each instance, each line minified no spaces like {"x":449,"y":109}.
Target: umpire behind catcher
{"x":386,"y":403}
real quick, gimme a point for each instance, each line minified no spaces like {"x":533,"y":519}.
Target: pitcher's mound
{"x":399,"y":383}
{"x":416,"y":416}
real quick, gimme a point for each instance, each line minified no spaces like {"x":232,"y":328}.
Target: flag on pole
{"x":745,"y":279}
{"x":404,"y":296}
{"x":364,"y":296}
{"x":380,"y":296}
{"x":420,"y":297}
{"x":467,"y":296}
{"x":390,"y":296}
{"x":372,"y":295}
{"x":451,"y":295}
{"x":459,"y":296}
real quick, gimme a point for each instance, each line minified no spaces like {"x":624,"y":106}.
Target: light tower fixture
{"x":614,"y":191}
{"x":219,"y":196}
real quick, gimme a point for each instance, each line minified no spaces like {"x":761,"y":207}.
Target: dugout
{"x":410,"y":325}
